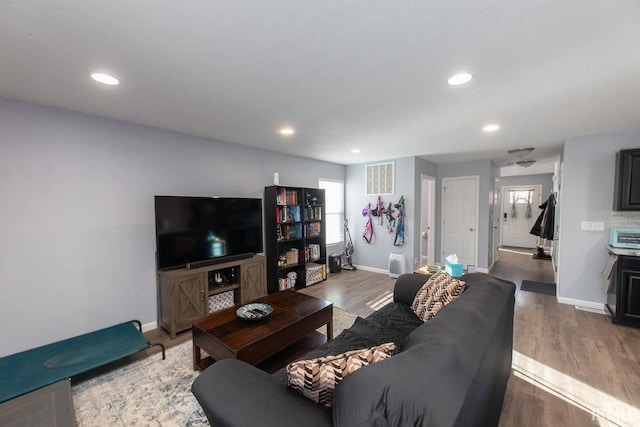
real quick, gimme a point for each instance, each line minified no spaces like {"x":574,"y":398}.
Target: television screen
{"x":202,"y":229}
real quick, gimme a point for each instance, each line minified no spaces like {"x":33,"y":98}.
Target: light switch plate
{"x":592,"y":225}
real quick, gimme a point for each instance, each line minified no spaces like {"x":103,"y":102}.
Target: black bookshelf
{"x":295,"y":236}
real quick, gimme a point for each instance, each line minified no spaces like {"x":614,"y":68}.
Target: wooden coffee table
{"x":223,"y":335}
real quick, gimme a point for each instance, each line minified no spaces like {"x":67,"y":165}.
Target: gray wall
{"x":587,"y":195}
{"x":487,"y":171}
{"x":77,"y":218}
{"x":375,"y":256}
{"x":545,"y":180}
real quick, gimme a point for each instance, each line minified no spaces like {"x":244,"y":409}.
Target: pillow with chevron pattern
{"x":317,"y":378}
{"x":439,"y":291}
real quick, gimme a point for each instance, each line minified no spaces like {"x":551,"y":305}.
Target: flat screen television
{"x":196,"y":231}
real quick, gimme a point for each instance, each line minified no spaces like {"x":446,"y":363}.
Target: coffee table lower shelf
{"x":283,"y":358}
{"x":288,"y":332}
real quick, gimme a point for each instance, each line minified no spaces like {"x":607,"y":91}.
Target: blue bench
{"x":33,"y":369}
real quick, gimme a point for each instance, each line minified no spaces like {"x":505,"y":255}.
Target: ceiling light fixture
{"x":355,"y":150}
{"x":106,"y":79}
{"x":287,"y":131}
{"x":520,"y":152}
{"x":460,"y":79}
{"x":525,"y":163}
{"x":491,"y":127}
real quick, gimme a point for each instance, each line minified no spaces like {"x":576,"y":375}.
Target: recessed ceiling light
{"x":459,"y":79}
{"x":105,"y":79}
{"x":287,"y":131}
{"x":355,"y":150}
{"x":491,"y":127}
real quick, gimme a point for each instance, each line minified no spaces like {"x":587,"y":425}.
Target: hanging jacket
{"x":544,"y":224}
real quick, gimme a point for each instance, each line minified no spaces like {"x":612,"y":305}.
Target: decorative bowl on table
{"x":254,"y":311}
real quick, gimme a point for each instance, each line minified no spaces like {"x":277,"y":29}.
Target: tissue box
{"x":453,"y":270}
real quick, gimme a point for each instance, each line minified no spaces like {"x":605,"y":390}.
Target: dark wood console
{"x":624,"y":304}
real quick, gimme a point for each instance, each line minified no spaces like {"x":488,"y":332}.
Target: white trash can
{"x":397,"y":265}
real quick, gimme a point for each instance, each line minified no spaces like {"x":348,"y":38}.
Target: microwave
{"x":625,"y":238}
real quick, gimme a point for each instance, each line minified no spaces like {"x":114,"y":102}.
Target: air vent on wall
{"x":379,"y":179}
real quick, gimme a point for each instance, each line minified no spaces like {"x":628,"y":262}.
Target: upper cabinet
{"x":626,"y":192}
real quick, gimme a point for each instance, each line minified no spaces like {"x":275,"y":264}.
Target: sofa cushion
{"x":392,"y":323}
{"x":345,"y":341}
{"x":437,"y":292}
{"x":317,"y":378}
{"x":451,"y":371}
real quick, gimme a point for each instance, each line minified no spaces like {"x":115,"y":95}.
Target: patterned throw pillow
{"x":317,"y":378}
{"x":439,"y":291}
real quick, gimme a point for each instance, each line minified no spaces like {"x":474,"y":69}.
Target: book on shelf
{"x":312,"y":252}
{"x":288,"y":258}
{"x":313,"y":213}
{"x":287,"y":213}
{"x":286,"y":197}
{"x":284,"y":283}
{"x":313,"y":229}
{"x":288,"y":232}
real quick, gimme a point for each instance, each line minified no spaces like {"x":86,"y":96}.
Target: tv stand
{"x":184,"y":293}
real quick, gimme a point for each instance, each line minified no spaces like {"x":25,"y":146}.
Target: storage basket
{"x":314,"y":273}
{"x":220,"y":301}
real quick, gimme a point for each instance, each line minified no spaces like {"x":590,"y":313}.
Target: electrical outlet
{"x":592,"y":226}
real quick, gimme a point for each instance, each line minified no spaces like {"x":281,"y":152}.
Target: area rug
{"x":153,"y":392}
{"x":538,"y":287}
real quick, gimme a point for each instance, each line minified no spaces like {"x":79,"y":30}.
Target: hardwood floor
{"x":360,"y":292}
{"x":570,"y":367}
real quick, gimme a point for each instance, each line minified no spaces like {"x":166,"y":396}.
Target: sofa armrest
{"x":407,"y":286}
{"x":234,"y":393}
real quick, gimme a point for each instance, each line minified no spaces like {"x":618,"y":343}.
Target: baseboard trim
{"x":592,"y":307}
{"x":149,"y":326}
{"x":373,"y":270}
{"x":381,"y":271}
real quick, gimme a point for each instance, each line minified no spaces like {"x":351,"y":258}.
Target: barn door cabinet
{"x":184,"y":295}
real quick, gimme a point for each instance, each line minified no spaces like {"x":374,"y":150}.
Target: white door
{"x":460,"y":218}
{"x":427,"y":220}
{"x":519,"y":213}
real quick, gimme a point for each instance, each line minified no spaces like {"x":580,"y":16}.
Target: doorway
{"x":519,"y":213}
{"x":494,"y":254}
{"x":427,"y":220}
{"x":460,"y":218}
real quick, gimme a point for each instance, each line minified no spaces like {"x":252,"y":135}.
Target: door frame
{"x":496,"y":222}
{"x":504,"y":202}
{"x":428,"y":218}
{"x":476,"y":178}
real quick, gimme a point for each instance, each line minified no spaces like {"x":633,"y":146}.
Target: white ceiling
{"x":367,"y":74}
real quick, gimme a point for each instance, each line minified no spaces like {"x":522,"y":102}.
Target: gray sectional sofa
{"x":451,"y":371}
